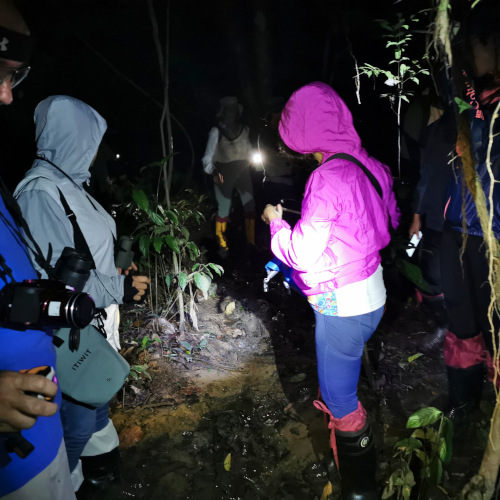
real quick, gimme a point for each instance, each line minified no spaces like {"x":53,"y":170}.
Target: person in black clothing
{"x":465,"y":269}
{"x":437,"y":140}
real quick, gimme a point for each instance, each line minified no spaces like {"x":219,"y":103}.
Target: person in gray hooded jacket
{"x":68,"y":134}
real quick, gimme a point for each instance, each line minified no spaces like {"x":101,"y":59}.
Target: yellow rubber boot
{"x":250,"y":230}
{"x":220,"y":232}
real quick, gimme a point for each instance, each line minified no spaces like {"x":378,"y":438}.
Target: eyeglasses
{"x":15,"y":75}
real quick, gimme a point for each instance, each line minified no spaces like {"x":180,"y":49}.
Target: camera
{"x":124,"y":255}
{"x":73,"y":268}
{"x":39,"y":304}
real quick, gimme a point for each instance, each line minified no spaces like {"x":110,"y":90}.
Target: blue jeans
{"x":79,"y":423}
{"x":339,"y":346}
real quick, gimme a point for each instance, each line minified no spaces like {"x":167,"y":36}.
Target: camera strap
{"x":80,"y":242}
{"x":5,"y":271}
{"x":15,"y":211}
{"x":371,"y":177}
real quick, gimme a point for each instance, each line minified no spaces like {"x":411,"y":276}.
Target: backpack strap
{"x":371,"y":177}
{"x":81,"y":244}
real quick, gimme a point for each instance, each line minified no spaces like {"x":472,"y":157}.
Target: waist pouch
{"x":94,"y":372}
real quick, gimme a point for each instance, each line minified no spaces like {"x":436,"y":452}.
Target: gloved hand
{"x":135,"y":288}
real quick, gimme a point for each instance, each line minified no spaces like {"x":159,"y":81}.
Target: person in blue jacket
{"x":470,"y":340}
{"x":43,"y":473}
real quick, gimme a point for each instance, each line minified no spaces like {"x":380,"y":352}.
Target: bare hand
{"x":126,"y":272}
{"x":272,"y":212}
{"x":19,"y":410}
{"x":218,"y":178}
{"x":140,"y":283}
{"x":416,"y":225}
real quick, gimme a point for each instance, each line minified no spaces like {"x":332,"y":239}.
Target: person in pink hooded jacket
{"x":334,"y":250}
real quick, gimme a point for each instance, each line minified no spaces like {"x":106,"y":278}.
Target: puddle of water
{"x":275,"y":447}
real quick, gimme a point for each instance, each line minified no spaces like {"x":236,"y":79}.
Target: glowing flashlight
{"x":257,"y":158}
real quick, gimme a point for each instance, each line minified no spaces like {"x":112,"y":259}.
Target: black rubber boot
{"x":101,"y":471}
{"x":358,"y":464}
{"x":437,"y":310}
{"x":465,"y":389}
{"x":433,"y":341}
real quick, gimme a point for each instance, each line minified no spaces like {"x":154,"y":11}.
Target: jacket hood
{"x":316,"y":119}
{"x":68,"y":133}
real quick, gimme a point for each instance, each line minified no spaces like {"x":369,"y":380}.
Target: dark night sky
{"x":252,"y":49}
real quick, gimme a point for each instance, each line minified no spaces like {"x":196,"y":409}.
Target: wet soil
{"x":233,"y":418}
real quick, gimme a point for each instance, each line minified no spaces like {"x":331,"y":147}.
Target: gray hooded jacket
{"x":68,"y":133}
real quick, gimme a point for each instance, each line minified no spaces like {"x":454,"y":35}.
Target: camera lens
{"x":79,"y":310}
{"x":39,"y":304}
{"x":73,"y":268}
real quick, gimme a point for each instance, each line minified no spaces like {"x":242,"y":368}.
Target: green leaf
{"x":447,"y":433}
{"x":157,"y":244}
{"x":207,"y":271}
{"x":406,"y":492}
{"x":161,"y":230}
{"x":172,"y":243}
{"x":172,"y":216}
{"x":202,"y":282}
{"x":421,"y":455}
{"x":414,"y":357}
{"x":141,"y":199}
{"x":423,"y":417}
{"x":185,"y":232}
{"x":218,"y":269}
{"x":412,"y":272}
{"x":193,"y":248}
{"x":168,"y":279}
{"x":403,"y":68}
{"x":409,"y":444}
{"x":139,"y":368}
{"x":462,"y":105}
{"x":389,"y":489}
{"x":144,"y":242}
{"x":227,"y":462}
{"x":183,"y":279}
{"x":409,"y":478}
{"x":186,"y":345}
{"x":436,"y":470}
{"x":157,"y":219}
{"x":404,"y":98}
{"x":443,"y":449}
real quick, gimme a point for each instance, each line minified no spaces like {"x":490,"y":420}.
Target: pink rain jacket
{"x":344,"y":222}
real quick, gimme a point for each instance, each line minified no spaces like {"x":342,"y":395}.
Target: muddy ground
{"x":233,"y":418}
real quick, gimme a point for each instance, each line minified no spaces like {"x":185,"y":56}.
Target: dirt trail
{"x":247,"y":393}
